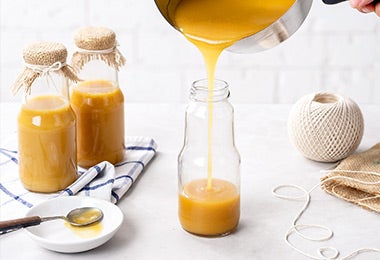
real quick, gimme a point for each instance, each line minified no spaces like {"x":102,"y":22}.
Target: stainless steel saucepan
{"x":277,"y":32}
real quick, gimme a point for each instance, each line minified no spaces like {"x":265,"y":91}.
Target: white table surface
{"x":151,"y":229}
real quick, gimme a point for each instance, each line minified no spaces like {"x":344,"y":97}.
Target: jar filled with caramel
{"x":46,"y":122}
{"x":97,"y":100}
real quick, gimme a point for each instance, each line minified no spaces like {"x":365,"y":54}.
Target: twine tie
{"x":44,"y":70}
{"x":104,"y":51}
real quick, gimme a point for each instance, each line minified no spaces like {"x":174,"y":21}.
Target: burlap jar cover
{"x":96,"y":43}
{"x":357,"y":179}
{"x":41,"y":59}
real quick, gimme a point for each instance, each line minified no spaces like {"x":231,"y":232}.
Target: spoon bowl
{"x":84,"y":216}
{"x":78,"y":217}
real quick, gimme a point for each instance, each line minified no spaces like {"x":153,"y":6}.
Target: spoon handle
{"x":14,"y":224}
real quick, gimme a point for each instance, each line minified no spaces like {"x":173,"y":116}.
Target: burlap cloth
{"x":40,"y":59}
{"x":96,"y":43}
{"x":357,"y":179}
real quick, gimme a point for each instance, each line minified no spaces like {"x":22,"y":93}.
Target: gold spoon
{"x":77,"y":217}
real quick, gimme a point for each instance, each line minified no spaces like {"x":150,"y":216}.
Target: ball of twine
{"x":325,"y":127}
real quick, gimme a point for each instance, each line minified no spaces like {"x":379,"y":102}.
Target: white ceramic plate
{"x":57,"y":235}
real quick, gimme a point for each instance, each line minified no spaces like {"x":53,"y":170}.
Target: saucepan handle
{"x":332,"y":2}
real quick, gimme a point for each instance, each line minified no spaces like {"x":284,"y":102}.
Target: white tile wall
{"x":337,"y":49}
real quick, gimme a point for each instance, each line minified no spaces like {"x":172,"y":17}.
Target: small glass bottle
{"x":209,"y":163}
{"x":46,"y":122}
{"x":98,"y":101}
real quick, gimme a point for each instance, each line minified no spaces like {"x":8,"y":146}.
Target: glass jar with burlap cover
{"x":98,"y":101}
{"x":46,"y":122}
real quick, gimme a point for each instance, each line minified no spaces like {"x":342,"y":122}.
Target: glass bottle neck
{"x":202,"y":91}
{"x":51,"y":84}
{"x":98,"y":70}
{"x":209,"y":111}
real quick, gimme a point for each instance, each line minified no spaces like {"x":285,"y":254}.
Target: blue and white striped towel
{"x":103,"y":181}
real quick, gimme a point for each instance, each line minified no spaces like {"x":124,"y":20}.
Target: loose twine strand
{"x":324,"y":253}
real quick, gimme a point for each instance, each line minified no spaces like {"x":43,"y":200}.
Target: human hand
{"x":366,"y":6}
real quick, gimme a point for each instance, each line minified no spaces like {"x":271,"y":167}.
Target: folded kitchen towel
{"x":104,"y":180}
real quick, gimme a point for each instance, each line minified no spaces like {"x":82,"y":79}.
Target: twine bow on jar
{"x":44,"y":70}
{"x":41,"y":59}
{"x":96,"y":43}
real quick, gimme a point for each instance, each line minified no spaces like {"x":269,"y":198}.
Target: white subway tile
{"x":356,"y":84}
{"x":253,"y":86}
{"x":8,"y":75}
{"x":12,"y":44}
{"x":304,"y":51}
{"x":151,"y":86}
{"x":42,"y":14}
{"x":376,"y":85}
{"x":351,"y":50}
{"x":295,"y":83}
{"x":167,"y":49}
